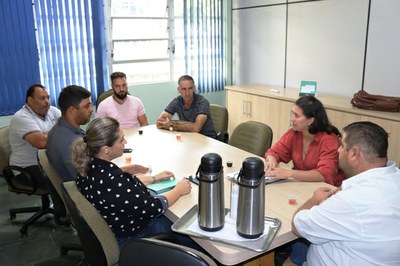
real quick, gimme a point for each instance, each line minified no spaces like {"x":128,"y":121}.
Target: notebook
{"x":161,"y":187}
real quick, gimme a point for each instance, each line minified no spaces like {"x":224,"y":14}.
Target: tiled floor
{"x":41,"y":245}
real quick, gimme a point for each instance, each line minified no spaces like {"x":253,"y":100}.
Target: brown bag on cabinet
{"x":364,"y":100}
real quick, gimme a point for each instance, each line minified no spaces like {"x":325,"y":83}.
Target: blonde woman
{"x":121,"y":198}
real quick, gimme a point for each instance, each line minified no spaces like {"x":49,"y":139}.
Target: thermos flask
{"x":250,"y":215}
{"x":211,"y":209}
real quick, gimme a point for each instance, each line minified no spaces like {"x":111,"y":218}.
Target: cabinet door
{"x":341,"y":119}
{"x":238,"y":108}
{"x":273,"y":112}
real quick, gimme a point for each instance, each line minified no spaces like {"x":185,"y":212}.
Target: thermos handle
{"x":199,"y":176}
{"x":238,"y":175}
{"x":248,"y":183}
{"x":198,"y":172}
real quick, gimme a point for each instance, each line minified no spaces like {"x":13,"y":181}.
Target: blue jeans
{"x":299,"y":251}
{"x":160,"y":225}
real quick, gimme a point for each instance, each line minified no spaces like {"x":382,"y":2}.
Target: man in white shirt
{"x":28,"y":132}
{"x":358,"y":223}
{"x":127,"y":109}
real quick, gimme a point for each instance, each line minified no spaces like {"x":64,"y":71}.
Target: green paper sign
{"x":308,"y":88}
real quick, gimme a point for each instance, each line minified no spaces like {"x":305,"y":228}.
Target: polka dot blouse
{"x":122,"y":199}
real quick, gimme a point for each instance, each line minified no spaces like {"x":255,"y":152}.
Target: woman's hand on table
{"x":183,"y":187}
{"x":163,"y":176}
{"x":279,"y":173}
{"x":270,"y":163}
{"x":135,"y":169}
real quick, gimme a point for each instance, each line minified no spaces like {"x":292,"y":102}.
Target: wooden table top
{"x":161,"y":150}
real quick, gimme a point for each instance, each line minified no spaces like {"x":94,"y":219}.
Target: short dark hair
{"x":185,"y":77}
{"x":371,"y":138}
{"x":72,"y":96}
{"x":31,"y":90}
{"x":116,"y":75}
{"x":313,"y":108}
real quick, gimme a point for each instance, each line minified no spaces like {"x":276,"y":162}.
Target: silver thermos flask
{"x":250,"y":214}
{"x":211,"y":209}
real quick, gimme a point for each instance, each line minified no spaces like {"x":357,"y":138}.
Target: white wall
{"x":327,"y":41}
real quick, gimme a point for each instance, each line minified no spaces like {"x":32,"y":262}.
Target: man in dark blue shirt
{"x":76,"y":109}
{"x":193,"y":111}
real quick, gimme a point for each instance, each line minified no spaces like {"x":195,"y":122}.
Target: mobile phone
{"x":128,"y":150}
{"x":193,"y":179}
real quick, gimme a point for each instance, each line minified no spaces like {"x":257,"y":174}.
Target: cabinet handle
{"x":249,"y":109}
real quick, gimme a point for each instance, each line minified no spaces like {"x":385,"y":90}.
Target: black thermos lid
{"x":211,"y":163}
{"x":252,"y":168}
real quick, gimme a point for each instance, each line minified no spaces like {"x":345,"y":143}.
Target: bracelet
{"x":154,"y":179}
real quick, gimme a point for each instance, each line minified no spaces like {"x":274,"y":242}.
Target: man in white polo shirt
{"x":358,"y":223}
{"x":127,"y":109}
{"x":28,"y":132}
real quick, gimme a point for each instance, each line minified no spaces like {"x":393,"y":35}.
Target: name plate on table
{"x":161,"y":187}
{"x":188,"y":224}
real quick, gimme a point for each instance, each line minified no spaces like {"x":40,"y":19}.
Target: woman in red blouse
{"x":311,"y":144}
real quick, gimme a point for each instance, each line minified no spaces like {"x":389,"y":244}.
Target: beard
{"x":121,"y":96}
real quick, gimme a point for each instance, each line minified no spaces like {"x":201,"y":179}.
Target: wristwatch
{"x":171,"y":128}
{"x":154,"y":179}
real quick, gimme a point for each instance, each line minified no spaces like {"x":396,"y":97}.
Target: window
{"x":159,"y":40}
{"x":144,"y":37}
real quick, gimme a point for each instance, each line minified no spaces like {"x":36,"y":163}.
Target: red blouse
{"x":322,"y":154}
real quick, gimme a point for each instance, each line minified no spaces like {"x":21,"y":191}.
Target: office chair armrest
{"x":141,"y":251}
{"x":10,"y":176}
{"x":165,"y":237}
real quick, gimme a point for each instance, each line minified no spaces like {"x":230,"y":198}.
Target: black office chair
{"x":20,"y":182}
{"x":103,"y":96}
{"x":100,"y":247}
{"x":55,"y":180}
{"x":61,"y":210}
{"x":252,"y":136}
{"x":220,"y":117}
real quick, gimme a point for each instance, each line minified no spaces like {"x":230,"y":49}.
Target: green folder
{"x":162,"y":187}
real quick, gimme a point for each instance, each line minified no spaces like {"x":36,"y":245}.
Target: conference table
{"x":162,"y":150}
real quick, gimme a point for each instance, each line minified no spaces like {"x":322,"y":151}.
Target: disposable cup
{"x":292,"y":199}
{"x":128,"y":159}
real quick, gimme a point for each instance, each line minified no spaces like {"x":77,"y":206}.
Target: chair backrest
{"x":22,"y":184}
{"x":103,"y":96}
{"x":100,"y":247}
{"x":5,"y":149}
{"x":53,"y":176}
{"x":142,"y":252}
{"x":252,"y":136}
{"x":219,"y":116}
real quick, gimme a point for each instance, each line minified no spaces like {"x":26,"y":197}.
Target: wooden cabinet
{"x":271,"y":105}
{"x":244,"y":107}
